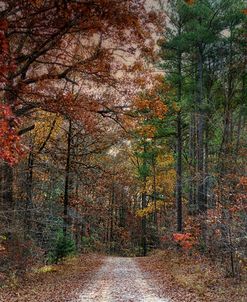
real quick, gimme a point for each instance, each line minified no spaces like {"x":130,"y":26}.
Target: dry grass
{"x":192,"y":278}
{"x":56,"y":283}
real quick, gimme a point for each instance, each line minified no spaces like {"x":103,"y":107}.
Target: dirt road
{"x":120,"y":280}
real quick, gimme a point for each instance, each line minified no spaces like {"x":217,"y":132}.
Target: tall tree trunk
{"x":122,"y":211}
{"x":240,"y":116}
{"x":7,"y":192}
{"x":192,"y":155}
{"x":179,"y":175}
{"x":200,"y":135}
{"x":206,"y":171}
{"x":29,"y":198}
{"x":155,"y":195}
{"x":239,"y":128}
{"x":67,"y":181}
{"x":144,"y":205}
{"x":144,"y":225}
{"x":179,"y":148}
{"x":112,"y":216}
{"x":7,"y":195}
{"x":78,"y":218}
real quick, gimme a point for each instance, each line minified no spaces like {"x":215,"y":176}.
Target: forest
{"x":123,"y":150}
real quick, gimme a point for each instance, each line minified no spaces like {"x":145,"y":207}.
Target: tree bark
{"x":179,"y":147}
{"x":200,"y":134}
{"x":179,"y":175}
{"x":67,"y":179}
{"x":144,"y":205}
{"x":7,"y":193}
{"x":192,"y":191}
{"x":111,"y":237}
{"x":155,"y":196}
{"x":29,"y":199}
{"x":144,"y":225}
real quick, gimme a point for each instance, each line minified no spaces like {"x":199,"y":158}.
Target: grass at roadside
{"x":192,"y":278}
{"x":55,"y":283}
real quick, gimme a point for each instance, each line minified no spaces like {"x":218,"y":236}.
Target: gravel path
{"x":120,"y":280}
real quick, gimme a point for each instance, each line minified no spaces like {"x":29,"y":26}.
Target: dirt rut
{"x":120,"y":280}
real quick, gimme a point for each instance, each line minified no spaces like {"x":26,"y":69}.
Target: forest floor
{"x":90,"y":278}
{"x":56,"y":283}
{"x":162,"y":277}
{"x":185,"y":278}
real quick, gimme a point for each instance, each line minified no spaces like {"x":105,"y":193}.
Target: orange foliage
{"x":75,"y":65}
{"x":147,"y":131}
{"x":190,"y":2}
{"x":10,"y":147}
{"x":243,"y":181}
{"x":152,"y":106}
{"x":186,"y":240}
{"x":244,"y":11}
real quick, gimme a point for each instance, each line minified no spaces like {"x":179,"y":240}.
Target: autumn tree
{"x":65,"y":58}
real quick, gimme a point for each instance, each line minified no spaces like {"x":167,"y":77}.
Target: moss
{"x":47,"y":269}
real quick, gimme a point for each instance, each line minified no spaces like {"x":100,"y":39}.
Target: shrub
{"x":64,"y":246}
